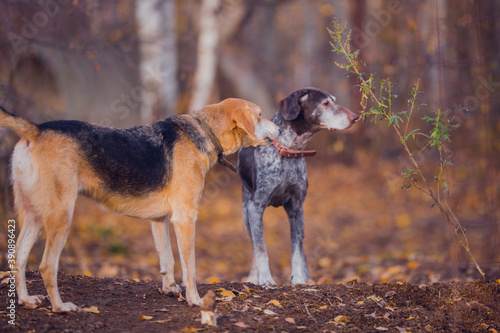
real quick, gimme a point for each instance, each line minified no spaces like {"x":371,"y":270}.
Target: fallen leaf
{"x":241,"y":324}
{"x":146,"y":317}
{"x":249,"y":290}
{"x":390,"y":293}
{"x":400,"y":283}
{"x":161,"y":310}
{"x":227,"y":295}
{"x":340,"y":320}
{"x":380,"y":328}
{"x":87,"y":272}
{"x":290,"y":320}
{"x":323,"y":307}
{"x":313,"y":290}
{"x":492,"y":330}
{"x":162,"y":321}
{"x":92,"y":309}
{"x":213,"y":280}
{"x":269,"y":312}
{"x":401,"y":329}
{"x":412,"y":265}
{"x":275,"y":303}
{"x":189,"y":330}
{"x":375,"y":298}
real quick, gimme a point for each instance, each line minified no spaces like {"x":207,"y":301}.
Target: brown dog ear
{"x":290,"y":106}
{"x":241,"y":118}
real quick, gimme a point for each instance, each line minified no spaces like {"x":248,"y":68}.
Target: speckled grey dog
{"x":276,"y":175}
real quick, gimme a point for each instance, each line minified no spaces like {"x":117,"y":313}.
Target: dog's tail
{"x":21,"y":126}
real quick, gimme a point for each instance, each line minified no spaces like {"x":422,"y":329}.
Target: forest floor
{"x":382,"y":259}
{"x":117,"y":305}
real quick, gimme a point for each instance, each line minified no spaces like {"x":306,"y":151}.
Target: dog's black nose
{"x":353,"y":117}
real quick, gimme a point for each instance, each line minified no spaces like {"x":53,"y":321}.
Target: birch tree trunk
{"x":207,"y":54}
{"x":158,"y":68}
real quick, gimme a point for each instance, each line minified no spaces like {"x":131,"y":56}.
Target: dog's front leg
{"x":184,"y":221}
{"x":260,"y":258}
{"x":300,"y":271}
{"x":161,"y":236}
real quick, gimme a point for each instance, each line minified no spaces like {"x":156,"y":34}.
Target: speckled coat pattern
{"x":273,"y":180}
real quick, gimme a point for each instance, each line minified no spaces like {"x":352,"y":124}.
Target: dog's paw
{"x":253,"y":279}
{"x":269,"y":281}
{"x":302,"y":280}
{"x":172,"y":290}
{"x":194,"y":300}
{"x":32,"y":302}
{"x":66,"y":307}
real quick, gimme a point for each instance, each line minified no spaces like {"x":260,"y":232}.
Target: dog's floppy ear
{"x":242,"y":120}
{"x":290,"y":106}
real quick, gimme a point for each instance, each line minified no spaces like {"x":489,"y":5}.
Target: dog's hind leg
{"x":24,"y":180}
{"x":57,"y":225}
{"x":260,"y":257}
{"x":30,"y":231}
{"x":300,"y":271}
{"x":58,"y":212}
{"x":161,"y":236}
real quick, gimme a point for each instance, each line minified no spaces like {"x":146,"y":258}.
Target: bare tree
{"x":158,"y":69}
{"x":207,"y":54}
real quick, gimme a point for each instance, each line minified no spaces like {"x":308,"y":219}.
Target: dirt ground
{"x":412,"y":275}
{"x":135,"y":305}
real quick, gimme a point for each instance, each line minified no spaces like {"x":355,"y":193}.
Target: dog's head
{"x":318,"y":109}
{"x":245,"y":125}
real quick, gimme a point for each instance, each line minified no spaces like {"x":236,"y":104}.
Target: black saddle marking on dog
{"x":132,"y":161}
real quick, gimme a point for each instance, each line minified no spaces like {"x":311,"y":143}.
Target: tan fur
{"x":49,"y":171}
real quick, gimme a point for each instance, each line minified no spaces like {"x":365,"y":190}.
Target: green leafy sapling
{"x":376,"y":104}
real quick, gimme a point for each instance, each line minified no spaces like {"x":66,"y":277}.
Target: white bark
{"x":207,"y":54}
{"x":158,"y":68}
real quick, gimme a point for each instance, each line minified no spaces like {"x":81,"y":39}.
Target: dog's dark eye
{"x":326,"y":103}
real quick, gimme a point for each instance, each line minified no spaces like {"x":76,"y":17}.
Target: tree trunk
{"x":158,"y":68}
{"x":207,"y":54}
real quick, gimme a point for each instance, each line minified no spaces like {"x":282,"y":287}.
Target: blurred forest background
{"x":123,"y":63}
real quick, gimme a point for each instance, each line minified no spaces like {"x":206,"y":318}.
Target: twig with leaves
{"x":377,"y":104}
